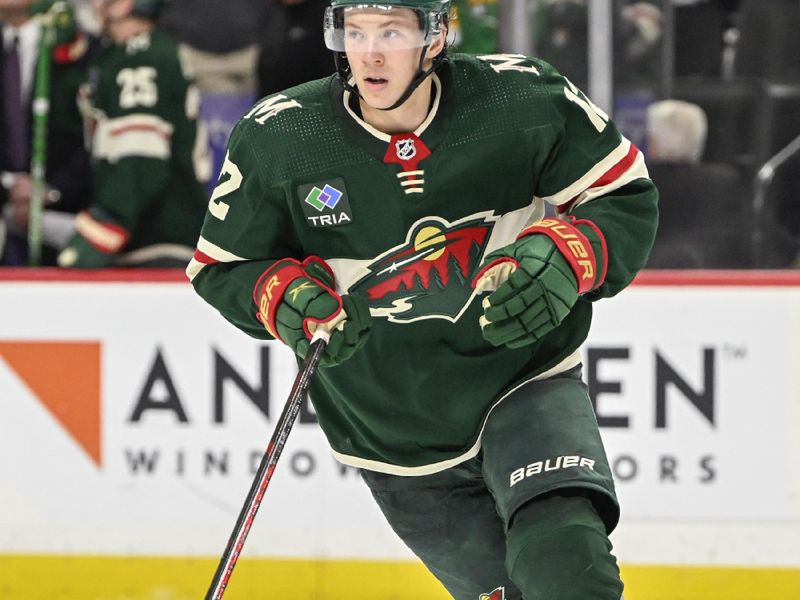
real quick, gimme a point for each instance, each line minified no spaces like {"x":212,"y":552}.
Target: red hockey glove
{"x":295,"y":298}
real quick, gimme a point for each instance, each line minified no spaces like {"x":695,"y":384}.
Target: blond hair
{"x":676,"y":131}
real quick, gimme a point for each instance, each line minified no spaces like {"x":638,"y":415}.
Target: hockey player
{"x":149,"y":151}
{"x":401,"y":205}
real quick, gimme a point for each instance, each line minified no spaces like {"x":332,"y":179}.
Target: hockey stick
{"x":41,"y":113}
{"x":267,"y":466}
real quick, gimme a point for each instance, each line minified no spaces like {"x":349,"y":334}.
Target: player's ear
{"x":437,"y":46}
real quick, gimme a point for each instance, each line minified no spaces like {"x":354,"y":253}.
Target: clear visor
{"x":377,"y":27}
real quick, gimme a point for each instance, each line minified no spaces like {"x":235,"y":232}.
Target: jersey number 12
{"x":216,"y":207}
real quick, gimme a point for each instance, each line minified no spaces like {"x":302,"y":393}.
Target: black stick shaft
{"x":265,"y":471}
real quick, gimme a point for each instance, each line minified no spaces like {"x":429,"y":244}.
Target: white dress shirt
{"x":28,"y":36}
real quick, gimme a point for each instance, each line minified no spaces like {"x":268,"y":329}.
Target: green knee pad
{"x":558,"y":549}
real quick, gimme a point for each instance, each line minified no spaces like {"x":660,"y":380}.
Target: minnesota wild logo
{"x":498,"y":594}
{"x":428,"y":276}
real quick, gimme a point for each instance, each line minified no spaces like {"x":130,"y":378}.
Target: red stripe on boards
{"x":56,"y":275}
{"x":721,"y":278}
{"x":655,"y":278}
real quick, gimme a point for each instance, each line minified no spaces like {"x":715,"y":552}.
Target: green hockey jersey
{"x":405,"y":220}
{"x":150,"y":154}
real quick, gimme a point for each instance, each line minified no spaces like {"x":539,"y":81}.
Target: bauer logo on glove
{"x":535,"y":282}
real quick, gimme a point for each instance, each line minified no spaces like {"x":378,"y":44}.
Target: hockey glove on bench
{"x":535,"y":282}
{"x":295,"y":298}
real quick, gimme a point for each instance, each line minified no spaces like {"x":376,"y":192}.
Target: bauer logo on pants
{"x":498,"y":594}
{"x":551,"y":464}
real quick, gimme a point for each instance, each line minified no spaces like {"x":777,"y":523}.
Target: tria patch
{"x":498,"y":594}
{"x":325,"y":203}
{"x":407,"y":150}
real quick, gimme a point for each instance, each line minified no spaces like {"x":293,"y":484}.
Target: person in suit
{"x":68,"y":175}
{"x":703,"y":216}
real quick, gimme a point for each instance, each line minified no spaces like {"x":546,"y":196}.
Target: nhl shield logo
{"x":405,"y":148}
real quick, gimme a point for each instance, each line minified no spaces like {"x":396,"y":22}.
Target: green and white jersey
{"x":405,"y":220}
{"x":150,"y":152}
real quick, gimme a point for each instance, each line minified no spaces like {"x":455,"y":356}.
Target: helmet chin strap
{"x":343,"y":68}
{"x":418,"y":79}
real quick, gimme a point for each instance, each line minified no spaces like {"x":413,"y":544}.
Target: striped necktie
{"x":16,"y":116}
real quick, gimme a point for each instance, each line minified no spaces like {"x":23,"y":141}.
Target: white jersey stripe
{"x":212,"y":251}
{"x":637,"y":170}
{"x":582,"y":184}
{"x":195,"y":266}
{"x":217,"y":253}
{"x":133,"y":135}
